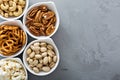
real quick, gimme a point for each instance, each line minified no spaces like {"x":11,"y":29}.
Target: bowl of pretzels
{"x":13,"y":38}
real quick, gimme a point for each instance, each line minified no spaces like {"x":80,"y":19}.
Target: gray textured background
{"x":88,"y":39}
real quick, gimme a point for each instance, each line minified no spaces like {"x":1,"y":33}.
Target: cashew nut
{"x":6,"y":11}
{"x":1,"y":1}
{"x":6,"y":15}
{"x":21,"y":2}
{"x":4,"y":6}
{"x":13,"y":6}
{"x":10,"y":13}
{"x":15,"y":1}
{"x":6,"y":0}
{"x":19,"y":12}
{"x":1,"y":12}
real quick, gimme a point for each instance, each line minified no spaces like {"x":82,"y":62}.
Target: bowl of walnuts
{"x":41,"y":20}
{"x":13,"y":38}
{"x":41,"y":57}
{"x":12,"y":9}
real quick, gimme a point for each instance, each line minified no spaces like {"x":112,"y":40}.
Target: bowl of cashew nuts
{"x":12,"y":9}
{"x":41,"y":57}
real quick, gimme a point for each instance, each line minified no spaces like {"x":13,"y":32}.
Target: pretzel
{"x":12,"y":38}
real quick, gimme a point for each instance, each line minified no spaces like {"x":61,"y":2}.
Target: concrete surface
{"x":88,"y":40}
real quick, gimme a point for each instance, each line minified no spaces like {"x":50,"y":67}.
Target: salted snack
{"x":12,"y":39}
{"x":41,"y":57}
{"x":12,"y":8}
{"x":11,"y":70}
{"x":41,"y":21}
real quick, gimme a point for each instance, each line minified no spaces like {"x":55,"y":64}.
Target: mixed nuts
{"x":41,"y":21}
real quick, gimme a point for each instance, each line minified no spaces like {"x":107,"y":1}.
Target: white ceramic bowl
{"x":14,"y":18}
{"x":49,"y":41}
{"x":17,"y":23}
{"x":19,"y":61}
{"x":51,"y":6}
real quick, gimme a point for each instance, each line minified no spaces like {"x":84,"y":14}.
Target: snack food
{"x":41,"y":57}
{"x":11,"y":70}
{"x":12,"y":8}
{"x":12,"y":39}
{"x":41,"y":21}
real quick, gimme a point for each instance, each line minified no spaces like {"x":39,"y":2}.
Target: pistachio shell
{"x":45,"y":60}
{"x":46,"y":69}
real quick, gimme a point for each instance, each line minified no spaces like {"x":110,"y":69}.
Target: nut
{"x":45,"y":60}
{"x":32,"y":55}
{"x":35,"y":62}
{"x":6,"y":15}
{"x":52,"y":64}
{"x":43,"y":49}
{"x":38,"y":56}
{"x":43,"y":7}
{"x":36,"y":44}
{"x":50,"y":47}
{"x":46,"y":69}
{"x":32,"y":47}
{"x":33,"y":11}
{"x":43,"y":44}
{"x":50,"y":53}
{"x":41,"y":21}
{"x":37,"y":16}
{"x":50,"y":30}
{"x":36,"y":48}
{"x":49,"y":59}
{"x":48,"y":15}
{"x":44,"y":54}
{"x":35,"y":69}
{"x":55,"y":58}
{"x":28,"y":51}
{"x":34,"y":31}
{"x":30,"y":61}
{"x":39,"y":65}
{"x":41,"y":61}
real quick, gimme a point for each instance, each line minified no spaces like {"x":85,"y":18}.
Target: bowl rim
{"x":50,"y":41}
{"x":57,"y":17}
{"x":19,"y":61}
{"x":15,"y":18}
{"x":23,"y":47}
